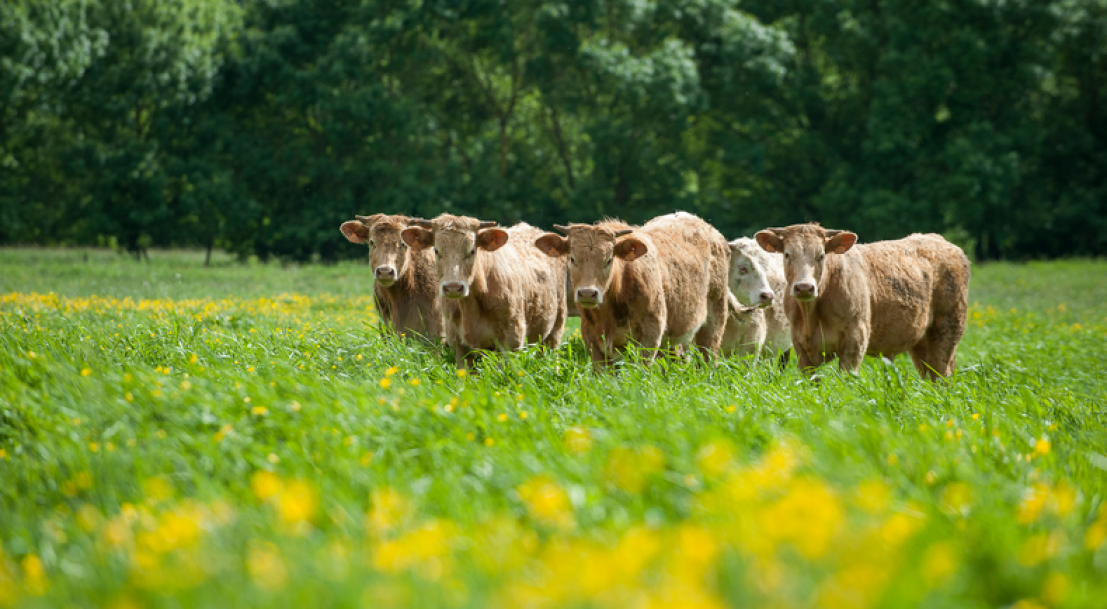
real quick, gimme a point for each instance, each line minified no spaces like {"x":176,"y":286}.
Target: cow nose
{"x":588,"y":294}
{"x":804,"y":289}
{"x":453,"y":289}
{"x":767,"y":297}
{"x":386,"y":272}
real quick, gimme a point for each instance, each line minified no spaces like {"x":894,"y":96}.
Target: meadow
{"x":242,"y":435}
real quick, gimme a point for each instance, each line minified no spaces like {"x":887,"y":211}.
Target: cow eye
{"x":403,"y":246}
{"x":820,"y":258}
{"x":472,"y":252}
{"x":743,"y":270}
{"x":608,"y":263}
{"x":371,"y":243}
{"x":436,"y":251}
{"x":572,"y":260}
{"x":787,"y":256}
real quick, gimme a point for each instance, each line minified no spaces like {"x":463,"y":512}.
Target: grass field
{"x":176,"y":436}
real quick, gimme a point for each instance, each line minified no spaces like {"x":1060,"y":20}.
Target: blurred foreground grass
{"x":172,"y":435}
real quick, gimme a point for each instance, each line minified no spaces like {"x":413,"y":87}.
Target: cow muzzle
{"x":589,"y":297}
{"x":766,"y":299}
{"x":454,"y":289}
{"x":385,"y":275}
{"x":804,"y":291}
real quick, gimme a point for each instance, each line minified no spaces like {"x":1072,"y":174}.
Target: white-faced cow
{"x":495,"y":290}
{"x":662,"y":283}
{"x":405,"y":283}
{"x":884,"y":298}
{"x":757,"y":279}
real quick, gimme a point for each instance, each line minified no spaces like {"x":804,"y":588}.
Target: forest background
{"x":259,"y":126}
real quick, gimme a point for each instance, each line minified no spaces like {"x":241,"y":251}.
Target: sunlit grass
{"x":242,"y":435}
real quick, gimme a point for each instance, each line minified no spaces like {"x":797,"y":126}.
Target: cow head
{"x":458,"y":242}
{"x":592,"y":251}
{"x":389,"y":256}
{"x":805,"y":247}
{"x":748,"y":278}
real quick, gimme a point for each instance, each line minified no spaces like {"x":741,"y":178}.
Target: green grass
{"x":174,"y":435}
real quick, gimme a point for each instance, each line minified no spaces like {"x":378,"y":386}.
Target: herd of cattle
{"x":673,"y":281}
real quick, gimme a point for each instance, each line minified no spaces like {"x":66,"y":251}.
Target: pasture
{"x":173,"y":435}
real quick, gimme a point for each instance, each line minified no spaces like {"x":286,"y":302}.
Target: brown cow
{"x":663,"y":282}
{"x":883,"y":298}
{"x":495,"y":291}
{"x":405,"y":282}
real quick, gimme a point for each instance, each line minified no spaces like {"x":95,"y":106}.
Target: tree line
{"x":258,"y":126}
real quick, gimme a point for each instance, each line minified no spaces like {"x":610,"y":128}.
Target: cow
{"x":494,"y":290}
{"x":884,"y":298}
{"x":665,"y":282}
{"x":405,"y":282}
{"x":745,"y":329}
{"x":757,"y":279}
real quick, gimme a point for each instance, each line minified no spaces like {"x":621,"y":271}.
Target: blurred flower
{"x":1040,"y":547}
{"x":389,"y":510}
{"x":386,"y":383}
{"x":425,"y":549}
{"x":265,"y":566}
{"x":34,"y":575}
{"x":156,"y":489}
{"x":547,"y":502}
{"x":956,"y":499}
{"x":873,"y":496}
{"x":298,"y":502}
{"x":629,"y":469}
{"x":88,"y":518}
{"x":265,"y":484}
{"x":577,"y":440}
{"x":715,"y":457}
{"x":1041,"y":447}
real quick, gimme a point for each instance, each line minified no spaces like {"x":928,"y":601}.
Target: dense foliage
{"x":258,"y":126}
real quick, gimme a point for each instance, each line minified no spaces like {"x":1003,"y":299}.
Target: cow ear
{"x":630,"y":249}
{"x":840,"y":243}
{"x":552,"y":245}
{"x":492,"y":239}
{"x":417,"y":238}
{"x":769,"y":241}
{"x":355,"y":231}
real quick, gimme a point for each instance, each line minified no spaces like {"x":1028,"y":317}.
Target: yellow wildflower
{"x":298,"y":502}
{"x":1041,"y":447}
{"x":715,"y":457}
{"x":265,"y":484}
{"x":389,"y":510}
{"x":547,"y":502}
{"x":577,"y":440}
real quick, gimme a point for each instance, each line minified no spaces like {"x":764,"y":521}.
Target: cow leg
{"x":514,"y":336}
{"x":851,"y":349}
{"x":710,"y":335}
{"x":784,"y":357}
{"x":647,"y":333}
{"x":553,"y":339}
{"x":935,"y":355}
